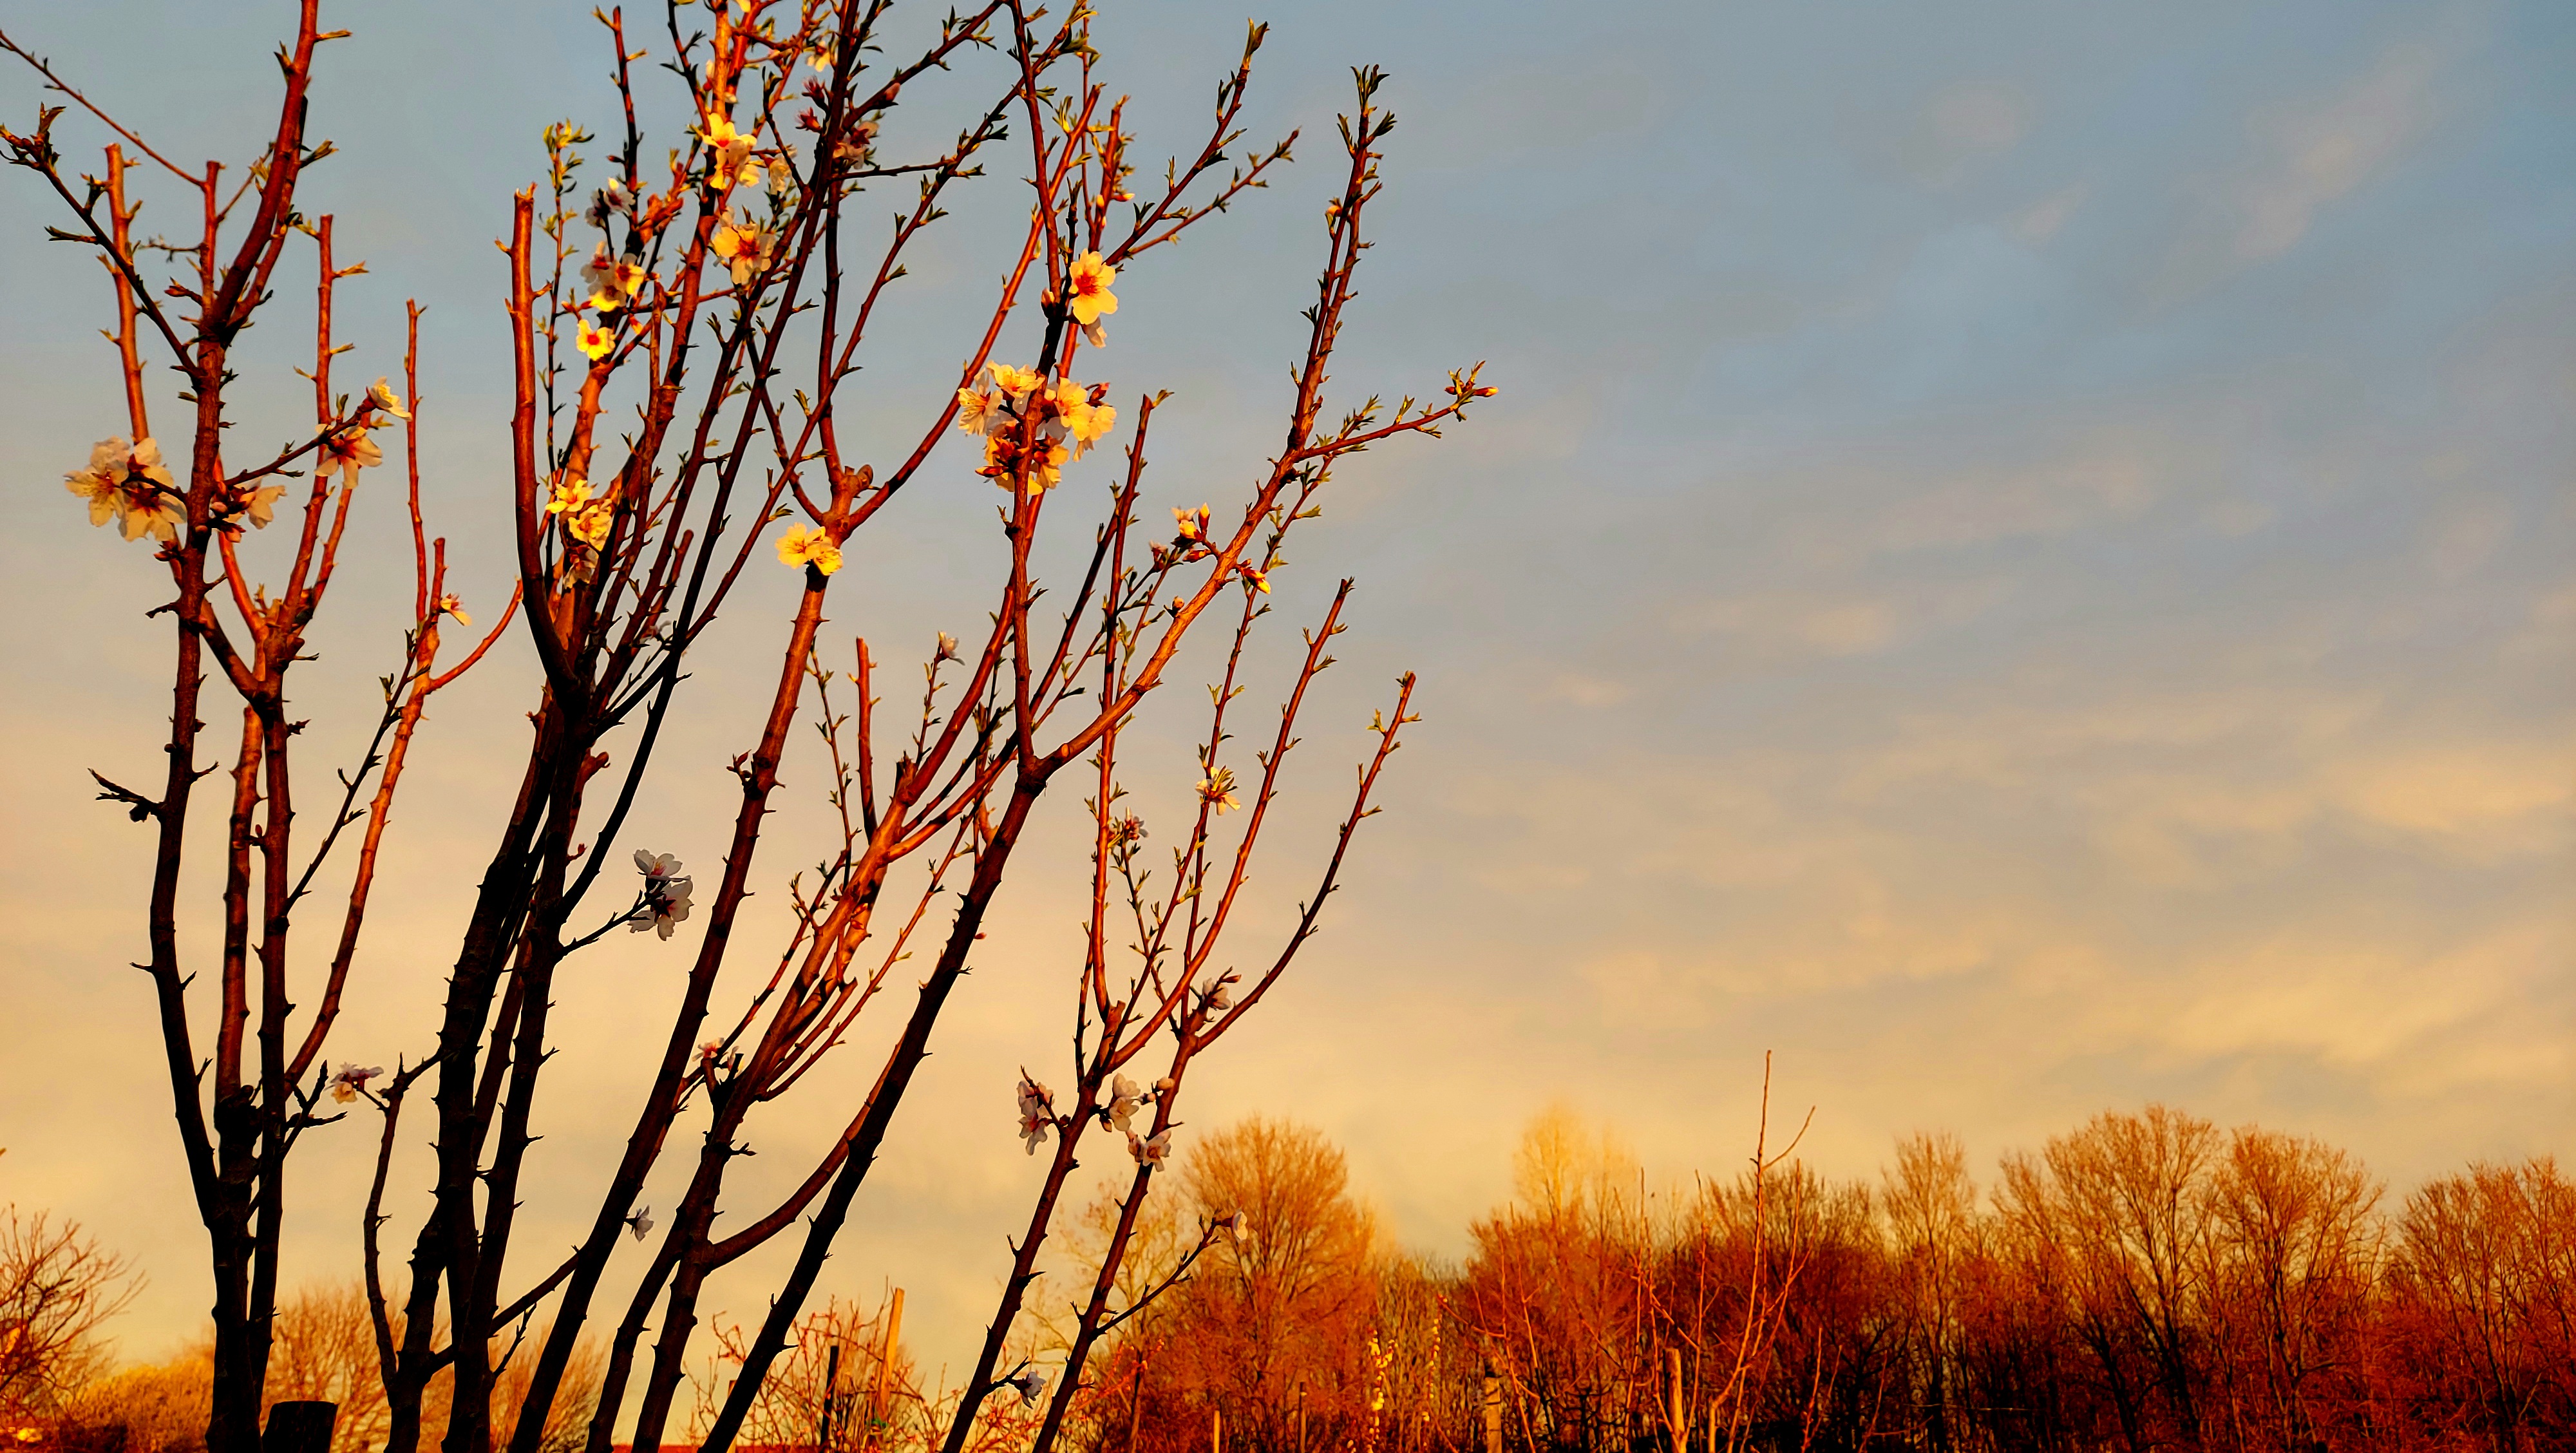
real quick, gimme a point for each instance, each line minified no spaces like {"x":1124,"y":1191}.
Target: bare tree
{"x":56,"y":1287}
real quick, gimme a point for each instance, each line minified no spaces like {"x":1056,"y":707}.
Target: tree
{"x":1557,"y":1291}
{"x":2114,"y":1222}
{"x":2484,"y":1286}
{"x":718,"y":287}
{"x":56,"y":1287}
{"x":1275,"y":1322}
{"x":2295,"y":1255}
{"x":1295,"y":1298}
{"x":1931,"y":1208}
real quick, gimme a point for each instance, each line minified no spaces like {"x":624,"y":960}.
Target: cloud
{"x":2486,"y":798}
{"x":2354,"y":1001}
{"x":2299,"y":160}
{"x":1780,"y":626}
{"x":1586,"y":690}
{"x":2040,"y":222}
{"x":2312,"y":157}
{"x":1962,"y":126}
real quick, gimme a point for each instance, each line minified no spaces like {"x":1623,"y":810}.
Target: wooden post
{"x":885,"y":1368}
{"x":831,"y":1391}
{"x":1493,"y":1412}
{"x":1136,"y":1404}
{"x":299,"y":1428}
{"x":1675,"y":1417}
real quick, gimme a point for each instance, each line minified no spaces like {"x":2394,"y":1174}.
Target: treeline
{"x":2144,"y":1282}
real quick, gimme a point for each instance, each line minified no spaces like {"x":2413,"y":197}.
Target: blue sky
{"x":2025,"y":561}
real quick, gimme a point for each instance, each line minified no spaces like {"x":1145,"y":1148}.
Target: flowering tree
{"x":723,"y":296}
{"x":242,"y":1105}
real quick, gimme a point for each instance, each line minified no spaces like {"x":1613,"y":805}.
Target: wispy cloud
{"x":2300,"y":159}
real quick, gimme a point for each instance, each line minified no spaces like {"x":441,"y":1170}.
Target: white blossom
{"x":666,"y":894}
{"x":609,"y":201}
{"x":1037,"y":1112}
{"x":1124,"y":1100}
{"x":1150,"y":1153}
{"x":351,"y":1081}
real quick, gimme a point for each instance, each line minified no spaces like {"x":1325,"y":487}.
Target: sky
{"x":2024,"y":564}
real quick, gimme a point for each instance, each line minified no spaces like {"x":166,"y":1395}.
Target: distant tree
{"x":2114,"y":1223}
{"x":2294,"y":1257}
{"x":2483,"y":1290}
{"x":1296,"y":1298}
{"x":56,"y":1287}
{"x":1556,"y":1291}
{"x":1279,"y":1320}
{"x":1933,"y":1231}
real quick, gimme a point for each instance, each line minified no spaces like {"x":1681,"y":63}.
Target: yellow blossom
{"x":382,"y":395}
{"x":732,"y":149}
{"x":744,"y":247}
{"x":1089,"y":288}
{"x":1217,"y":790}
{"x":1090,"y":423}
{"x":630,"y":276}
{"x":594,"y":339}
{"x":1192,"y":526}
{"x":450,"y":605}
{"x":800,"y":546}
{"x":1017,"y":382}
{"x":568,"y":496}
{"x":591,"y":522}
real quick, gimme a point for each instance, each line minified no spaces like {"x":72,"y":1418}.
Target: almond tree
{"x":721,"y":289}
{"x":246,"y":1072}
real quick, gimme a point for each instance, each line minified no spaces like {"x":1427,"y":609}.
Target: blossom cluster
{"x":1150,"y":1152}
{"x":1031,"y":427}
{"x":130,"y":484}
{"x":666,"y":894}
{"x":614,"y":282}
{"x":586,"y":517}
{"x":350,"y":448}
